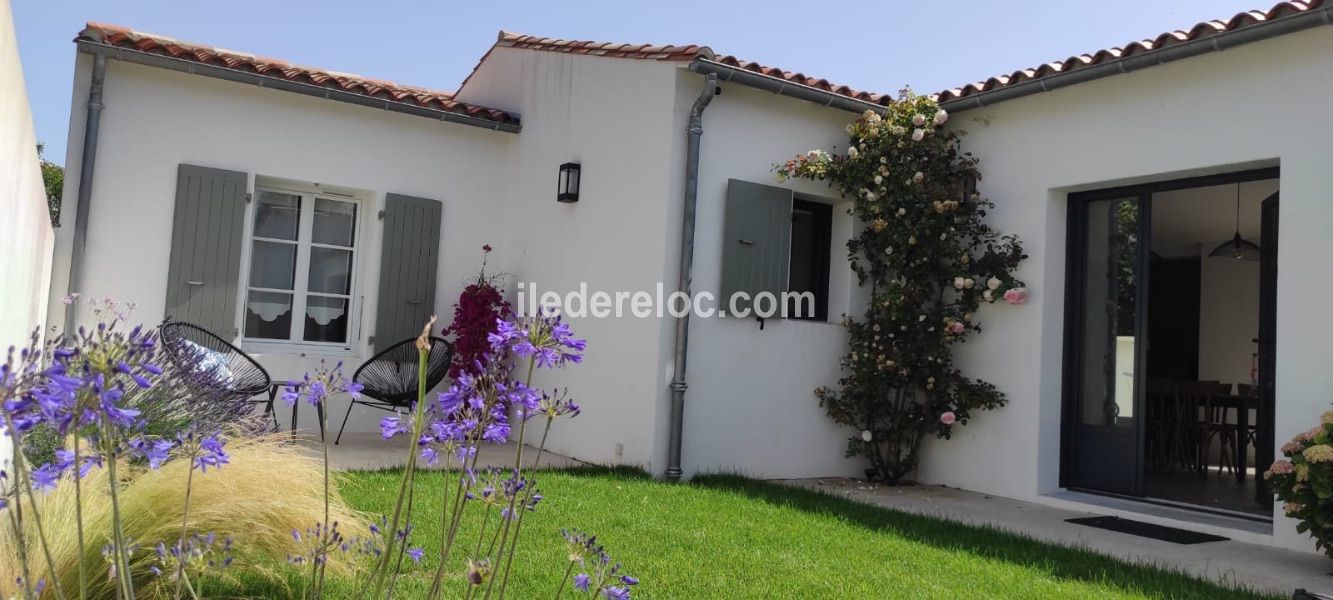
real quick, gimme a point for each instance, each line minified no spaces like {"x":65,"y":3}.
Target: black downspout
{"x":87,"y":164}
{"x":694,"y":131}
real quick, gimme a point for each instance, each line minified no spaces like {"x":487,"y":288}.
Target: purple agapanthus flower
{"x":496,"y":433}
{"x":46,"y":477}
{"x":415,"y":554}
{"x":156,"y":452}
{"x":616,"y":592}
{"x":392,"y":426}
{"x":211,"y":453}
{"x":581,"y":582}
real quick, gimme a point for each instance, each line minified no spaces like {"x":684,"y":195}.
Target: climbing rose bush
{"x":930,"y":260}
{"x":1304,"y":481}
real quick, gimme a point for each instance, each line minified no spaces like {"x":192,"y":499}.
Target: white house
{"x":26,"y":234}
{"x":237,"y":191}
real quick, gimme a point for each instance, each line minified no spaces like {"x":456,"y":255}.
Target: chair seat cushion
{"x":210,"y":364}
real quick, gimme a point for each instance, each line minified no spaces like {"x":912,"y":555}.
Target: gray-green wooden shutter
{"x":756,"y":242}
{"x":411,"y":252}
{"x":206,"y":239}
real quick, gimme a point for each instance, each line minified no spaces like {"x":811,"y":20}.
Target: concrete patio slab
{"x":1254,"y":566}
{"x":367,"y":451}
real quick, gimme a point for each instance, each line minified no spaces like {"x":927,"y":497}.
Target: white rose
{"x":852,"y":152}
{"x":902,"y":211}
{"x":867,"y":436}
{"x":878,"y":180}
{"x":918,"y":119}
{"x":969,"y":283}
{"x":941,"y":117}
{"x":918,"y":177}
{"x":993,"y":283}
{"x":988,"y":295}
{"x":958,"y":283}
{"x":918,"y":135}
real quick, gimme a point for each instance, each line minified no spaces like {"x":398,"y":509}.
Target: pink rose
{"x":948,"y":418}
{"x":1016,"y":295}
{"x":957,"y":327}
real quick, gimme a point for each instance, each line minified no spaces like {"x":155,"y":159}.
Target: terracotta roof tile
{"x":122,"y":37}
{"x":115,"y":36}
{"x":508,"y":39}
{"x":1170,"y":38}
{"x":807,"y":80}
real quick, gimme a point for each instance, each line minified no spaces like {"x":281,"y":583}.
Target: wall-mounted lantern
{"x":567,"y":189}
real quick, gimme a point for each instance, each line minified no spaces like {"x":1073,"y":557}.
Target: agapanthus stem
{"x":402,"y":547}
{"x":455,"y":517}
{"x":21,"y":484}
{"x":563,"y":581}
{"x":46,"y":547}
{"x":418,"y":421}
{"x":185,"y":524}
{"x":518,"y":474}
{"x":16,"y":514}
{"x":120,"y":553}
{"x":78,"y":513}
{"x":518,"y":526}
{"x":328,"y":529}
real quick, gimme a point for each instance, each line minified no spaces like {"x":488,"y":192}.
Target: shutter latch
{"x":247,"y":197}
{"x":381,"y":215}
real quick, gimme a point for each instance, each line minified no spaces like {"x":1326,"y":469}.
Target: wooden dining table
{"x":1243,"y":405}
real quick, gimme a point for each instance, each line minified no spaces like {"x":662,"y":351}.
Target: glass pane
{"x":273,"y":265}
{"x":325,"y":319}
{"x":1109,"y":312}
{"x":268,"y":315}
{"x":277,"y":216}
{"x":335,"y":222}
{"x":330,"y":270}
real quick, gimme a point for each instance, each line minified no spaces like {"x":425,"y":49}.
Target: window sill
{"x":296,"y":348}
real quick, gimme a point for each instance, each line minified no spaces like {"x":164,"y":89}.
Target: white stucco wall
{"x":26,"y":236}
{"x":614,"y":117}
{"x":750,"y":407}
{"x":1215,"y":113}
{"x":155,"y":119}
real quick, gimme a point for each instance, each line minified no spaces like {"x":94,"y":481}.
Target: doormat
{"x":1148,"y":530}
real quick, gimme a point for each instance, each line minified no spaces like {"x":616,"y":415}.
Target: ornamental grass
{"x":268,"y":488}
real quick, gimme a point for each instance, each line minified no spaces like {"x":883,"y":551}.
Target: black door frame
{"x":1075,"y":235}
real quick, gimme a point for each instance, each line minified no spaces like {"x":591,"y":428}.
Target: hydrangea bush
{"x":1303,"y":481}
{"x":930,"y":260}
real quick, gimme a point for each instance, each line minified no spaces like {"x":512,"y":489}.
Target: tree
{"x":931,"y":260}
{"x":53,"y":176}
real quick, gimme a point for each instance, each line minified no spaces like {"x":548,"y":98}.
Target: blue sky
{"x":873,"y":46}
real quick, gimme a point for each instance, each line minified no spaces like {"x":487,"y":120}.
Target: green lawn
{"x":731,"y":537}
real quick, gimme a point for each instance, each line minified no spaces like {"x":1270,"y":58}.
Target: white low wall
{"x":26,"y":236}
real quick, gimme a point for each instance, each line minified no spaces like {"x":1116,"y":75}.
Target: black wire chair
{"x":390,"y":377}
{"x":234,"y":376}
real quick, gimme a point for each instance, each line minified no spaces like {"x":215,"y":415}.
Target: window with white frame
{"x":302,"y":257}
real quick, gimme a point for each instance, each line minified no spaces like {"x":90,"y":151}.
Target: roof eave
{"x":217,"y":72}
{"x":1213,"y":43}
{"x":782,"y":87}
